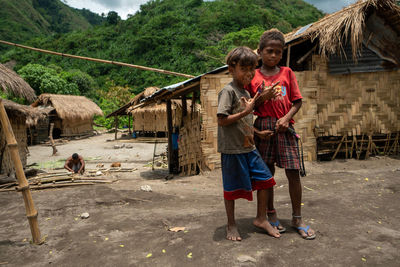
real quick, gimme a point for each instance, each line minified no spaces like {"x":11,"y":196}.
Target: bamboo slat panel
{"x":190,"y":145}
{"x":19,"y":128}
{"x":359,"y":103}
{"x":210,"y":86}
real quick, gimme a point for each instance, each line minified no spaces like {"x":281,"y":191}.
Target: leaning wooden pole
{"x":98,"y":60}
{"x":23,"y":184}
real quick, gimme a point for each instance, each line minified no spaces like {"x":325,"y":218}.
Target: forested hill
{"x":186,"y":36}
{"x":20,"y":20}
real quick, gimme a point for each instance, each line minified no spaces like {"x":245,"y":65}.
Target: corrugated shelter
{"x":72,"y":115}
{"x":20,"y":117}
{"x":346,"y":65}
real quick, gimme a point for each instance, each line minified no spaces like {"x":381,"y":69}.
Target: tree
{"x":113,"y":18}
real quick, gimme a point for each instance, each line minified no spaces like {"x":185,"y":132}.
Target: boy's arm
{"x":283,"y":123}
{"x":66,"y":165}
{"x":224,"y":120}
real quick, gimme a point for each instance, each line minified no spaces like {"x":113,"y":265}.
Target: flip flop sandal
{"x":276,"y":224}
{"x":305,"y":229}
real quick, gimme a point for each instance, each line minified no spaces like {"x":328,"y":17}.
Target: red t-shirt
{"x":288,"y":87}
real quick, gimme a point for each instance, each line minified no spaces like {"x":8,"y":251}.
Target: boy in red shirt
{"x":274,"y":141}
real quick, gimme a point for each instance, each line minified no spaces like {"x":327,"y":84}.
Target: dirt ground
{"x":353,"y":205}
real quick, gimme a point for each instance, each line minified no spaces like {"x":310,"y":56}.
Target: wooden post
{"x":288,"y":56}
{"x":169,"y":124}
{"x":23,"y":186}
{"x":53,"y":145}
{"x":193,"y":107}
{"x":129,"y":125}
{"x":184,"y":109}
{"x":116,"y":127}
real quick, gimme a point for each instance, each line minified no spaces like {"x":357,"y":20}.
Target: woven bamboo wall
{"x":190,"y":145}
{"x":210,"y":86}
{"x":359,"y":103}
{"x":306,"y":118}
{"x":76,"y":127}
{"x":155,"y":119}
{"x":19,"y":129}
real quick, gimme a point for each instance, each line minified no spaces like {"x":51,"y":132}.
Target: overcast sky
{"x":125,"y":7}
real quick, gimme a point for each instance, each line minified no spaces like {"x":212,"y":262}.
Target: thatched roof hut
{"x":10,"y":82}
{"x":72,"y":115}
{"x":20,"y":116}
{"x":373,"y":24}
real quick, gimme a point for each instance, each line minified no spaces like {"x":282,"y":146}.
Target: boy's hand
{"x":249,"y":103}
{"x":265,"y":134}
{"x":267,"y":93}
{"x":282,"y":125}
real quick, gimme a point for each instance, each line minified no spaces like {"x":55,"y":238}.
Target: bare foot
{"x":265,"y":225}
{"x":298,"y":222}
{"x":232,"y":233}
{"x":273,"y":218}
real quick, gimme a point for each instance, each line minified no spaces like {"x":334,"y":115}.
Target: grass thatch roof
{"x":31,"y":114}
{"x":10,"y":82}
{"x":134,"y":101}
{"x":69,"y":107}
{"x":162,"y":107}
{"x":335,"y":30}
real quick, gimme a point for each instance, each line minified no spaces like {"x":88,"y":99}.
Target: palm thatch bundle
{"x":69,"y":107}
{"x":347,"y":25}
{"x":176,"y":104}
{"x":10,"y":82}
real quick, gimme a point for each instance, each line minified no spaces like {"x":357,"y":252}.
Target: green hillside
{"x":23,"y":19}
{"x":186,"y":36}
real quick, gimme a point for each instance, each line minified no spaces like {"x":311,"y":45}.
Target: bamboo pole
{"x":98,"y":60}
{"x":31,"y":212}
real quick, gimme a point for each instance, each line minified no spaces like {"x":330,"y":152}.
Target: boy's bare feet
{"x":298,"y":222}
{"x":264,"y":224}
{"x":232,"y":233}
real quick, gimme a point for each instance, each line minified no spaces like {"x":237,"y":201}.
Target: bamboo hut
{"x":10,"y":82}
{"x":20,"y":117}
{"x":347,"y":69}
{"x":347,"y":66}
{"x":71,"y":115}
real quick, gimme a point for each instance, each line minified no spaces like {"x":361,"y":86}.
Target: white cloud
{"x":330,"y":6}
{"x":122,"y":7}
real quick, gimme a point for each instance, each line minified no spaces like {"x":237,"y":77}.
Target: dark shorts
{"x":281,"y":148}
{"x":244,"y":173}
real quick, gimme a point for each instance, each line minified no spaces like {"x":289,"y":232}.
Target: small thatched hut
{"x":20,"y":117}
{"x":72,"y":115}
{"x":10,"y":82}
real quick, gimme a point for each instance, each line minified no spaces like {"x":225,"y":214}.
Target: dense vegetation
{"x":187,"y":36}
{"x":23,"y":19}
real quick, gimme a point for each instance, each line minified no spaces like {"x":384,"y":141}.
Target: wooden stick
{"x":338,"y":148}
{"x":361,"y":145}
{"x":53,"y":145}
{"x":169,"y":123}
{"x":31,"y":212}
{"x":386,"y":143}
{"x":368,"y":147}
{"x":36,"y":187}
{"x":352,"y":146}
{"x":346,"y":146}
{"x":99,"y":60}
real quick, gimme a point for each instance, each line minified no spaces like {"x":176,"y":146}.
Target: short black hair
{"x":75,"y":156}
{"x":272,"y":34}
{"x":241,"y":55}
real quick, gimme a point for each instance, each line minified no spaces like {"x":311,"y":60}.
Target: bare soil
{"x":353,"y":205}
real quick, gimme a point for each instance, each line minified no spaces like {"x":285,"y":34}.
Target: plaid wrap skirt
{"x":281,"y":148}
